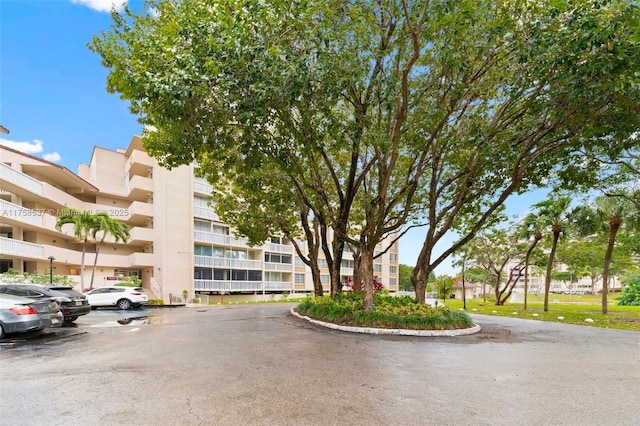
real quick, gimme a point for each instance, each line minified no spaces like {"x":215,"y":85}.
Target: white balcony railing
{"x":221,"y":262}
{"x":277,"y":285}
{"x":21,"y":214}
{"x":202,"y":187}
{"x":227,"y":286}
{"x":279,"y":248}
{"x":9,"y":246}
{"x":270,"y":266}
{"x":20,"y":179}
{"x":205,"y":212}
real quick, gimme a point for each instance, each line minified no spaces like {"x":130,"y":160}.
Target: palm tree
{"x":83,"y":222}
{"x":553,"y":213}
{"x":615,"y":211}
{"x":530,"y":227}
{"x":107,"y":226}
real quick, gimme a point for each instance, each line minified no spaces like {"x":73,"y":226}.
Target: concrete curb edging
{"x":393,"y":331}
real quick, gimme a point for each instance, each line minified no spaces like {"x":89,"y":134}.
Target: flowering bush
{"x":358,"y":287}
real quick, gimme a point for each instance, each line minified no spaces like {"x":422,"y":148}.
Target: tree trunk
{"x":95,"y":265}
{"x":84,"y":250}
{"x":547,"y":278}
{"x":366,"y":269}
{"x":614,"y":224}
{"x":537,"y":237}
{"x":419,"y":282}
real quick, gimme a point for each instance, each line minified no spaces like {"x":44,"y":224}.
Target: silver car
{"x":19,"y":314}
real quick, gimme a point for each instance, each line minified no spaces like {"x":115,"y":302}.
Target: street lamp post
{"x":51,"y":259}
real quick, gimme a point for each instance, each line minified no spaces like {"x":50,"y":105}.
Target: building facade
{"x":177,"y":241}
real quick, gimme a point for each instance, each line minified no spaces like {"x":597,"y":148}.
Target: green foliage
{"x":155,"y":302}
{"x":631,"y":292}
{"x":388,"y":312}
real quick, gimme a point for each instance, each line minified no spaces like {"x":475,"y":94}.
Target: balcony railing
{"x":202,"y":187}
{"x":221,"y":262}
{"x":278,"y":248}
{"x":14,"y":212}
{"x":277,"y":285}
{"x":219,"y":239}
{"x":270,"y":266}
{"x":20,"y":179}
{"x":227,"y":286}
{"x":9,"y":246}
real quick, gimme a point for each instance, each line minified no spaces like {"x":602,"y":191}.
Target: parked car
{"x":121,"y":297}
{"x":72,"y":303}
{"x":20,"y":314}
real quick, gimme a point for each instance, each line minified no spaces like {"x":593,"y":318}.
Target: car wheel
{"x":70,"y":319}
{"x":123,"y":304}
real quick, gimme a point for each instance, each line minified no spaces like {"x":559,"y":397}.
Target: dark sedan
{"x":72,"y":303}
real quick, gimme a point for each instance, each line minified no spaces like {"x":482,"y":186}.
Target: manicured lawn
{"x":574,"y":309}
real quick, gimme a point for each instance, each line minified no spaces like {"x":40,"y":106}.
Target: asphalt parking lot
{"x":259,"y":365}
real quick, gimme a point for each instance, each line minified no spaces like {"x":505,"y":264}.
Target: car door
{"x":100,"y":297}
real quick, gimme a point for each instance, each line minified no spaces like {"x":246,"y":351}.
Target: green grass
{"x":573,"y":308}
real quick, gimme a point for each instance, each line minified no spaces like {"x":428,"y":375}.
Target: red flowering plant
{"x":349,"y":285}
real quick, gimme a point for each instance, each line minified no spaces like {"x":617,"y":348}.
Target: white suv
{"x":120,"y":296}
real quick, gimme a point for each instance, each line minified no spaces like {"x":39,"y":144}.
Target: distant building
{"x":177,"y":241}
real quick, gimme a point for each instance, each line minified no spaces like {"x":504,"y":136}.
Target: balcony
{"x":220,"y":239}
{"x":227,"y":286}
{"x":12,"y":179}
{"x":140,"y":188}
{"x":139,"y":164}
{"x":201,"y":186}
{"x":221,"y":262}
{"x":20,"y":216}
{"x":278,"y":248}
{"x":271,"y":266}
{"x":17,"y":248}
{"x":278,"y":286}
{"x":140,"y":236}
{"x":139,"y":213}
{"x":205,"y":213}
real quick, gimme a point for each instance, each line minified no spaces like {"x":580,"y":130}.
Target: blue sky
{"x":52,"y":87}
{"x":52,"y":90}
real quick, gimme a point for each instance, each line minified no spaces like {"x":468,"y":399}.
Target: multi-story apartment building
{"x":177,"y":241}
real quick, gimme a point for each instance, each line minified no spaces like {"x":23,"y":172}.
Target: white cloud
{"x":54,"y":157}
{"x":34,"y":147}
{"x":101,"y":5}
{"x":31,"y":148}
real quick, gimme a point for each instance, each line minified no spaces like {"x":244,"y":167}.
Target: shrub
{"x":388,"y":312}
{"x":631,"y":292}
{"x":155,"y":302}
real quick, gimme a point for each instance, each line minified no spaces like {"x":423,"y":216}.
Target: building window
{"x":199,"y":250}
{"x":255,"y":275}
{"x":236,"y":254}
{"x":299,"y":261}
{"x":203,"y":274}
{"x":393,"y":269}
{"x":392,"y":282}
{"x":277,"y":258}
{"x":377,"y":268}
{"x":324,"y":280}
{"x":393,"y":257}
{"x":322,"y":263}
{"x":299,"y":279}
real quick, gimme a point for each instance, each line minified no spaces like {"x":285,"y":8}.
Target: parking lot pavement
{"x":259,"y":365}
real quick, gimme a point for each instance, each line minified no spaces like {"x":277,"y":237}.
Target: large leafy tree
{"x":380,"y":113}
